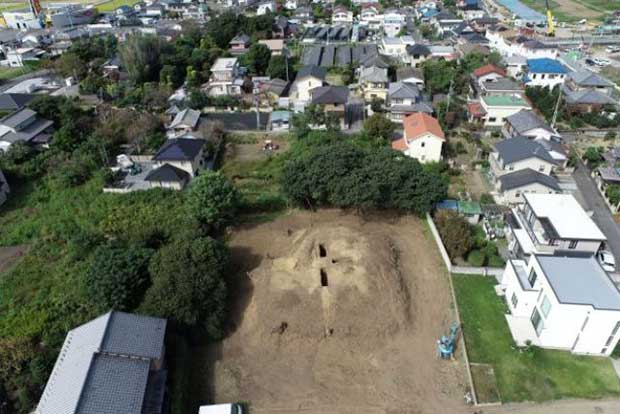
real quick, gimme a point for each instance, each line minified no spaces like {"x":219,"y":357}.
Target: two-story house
{"x":342,"y":15}
{"x":405,"y":99}
{"x":393,"y":22}
{"x":586,"y":91}
{"x":417,"y":54}
{"x":519,"y":166}
{"x":307,"y":79}
{"x":374,"y":82}
{"x":24,"y":125}
{"x":410,"y":75}
{"x":370,"y":17}
{"x":423,"y":138}
{"x":239,"y":44}
{"x":552,"y":224}
{"x":187,"y":154}
{"x":545,"y":72}
{"x":396,"y":47}
{"x":266,"y":7}
{"x":226,"y":78}
{"x":334,"y":101}
{"x":562,"y":302}
{"x":492,"y":110}
{"x":526,"y":123}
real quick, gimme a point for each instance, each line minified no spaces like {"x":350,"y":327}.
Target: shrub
{"x":212,"y":200}
{"x":455,"y":231}
{"x":495,"y":261}
{"x":476,"y":258}
{"x":486,"y":198}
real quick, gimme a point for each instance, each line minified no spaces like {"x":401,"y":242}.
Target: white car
{"x":602,"y":61}
{"x":607,"y":261}
{"x":613,"y":49}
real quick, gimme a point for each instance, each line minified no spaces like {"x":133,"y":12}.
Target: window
{"x":534,"y":76}
{"x":511,"y":168}
{"x":532,"y":277}
{"x":423,"y":144}
{"x":541,"y":168}
{"x":492,"y":119}
{"x":536,"y":321}
{"x":551,"y":242}
{"x":573,"y":244}
{"x":611,"y":337}
{"x":545,"y":306}
{"x":514,"y":300}
{"x":518,"y":194}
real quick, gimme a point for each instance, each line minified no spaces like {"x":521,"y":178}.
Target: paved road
{"x":594,"y":202}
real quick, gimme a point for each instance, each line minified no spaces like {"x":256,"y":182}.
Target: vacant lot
{"x":335,"y":314}
{"x":535,"y":375}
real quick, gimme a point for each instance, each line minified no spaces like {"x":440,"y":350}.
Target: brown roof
{"x":419,"y":124}
{"x":399,"y":144}
{"x":490,"y":68}
{"x":475,"y":109}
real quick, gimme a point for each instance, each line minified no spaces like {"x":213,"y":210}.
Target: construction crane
{"x":550,"y":24}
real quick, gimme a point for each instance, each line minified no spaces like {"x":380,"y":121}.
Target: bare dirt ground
{"x":10,"y":255}
{"x":364,"y":343}
{"x":577,"y":9}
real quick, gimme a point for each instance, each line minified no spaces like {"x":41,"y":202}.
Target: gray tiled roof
{"x":28,"y":133}
{"x":588,"y":97}
{"x":409,"y":72}
{"x":179,"y":149}
{"x":402,"y":90}
{"x":167,"y":174}
{"x":311,"y":70}
{"x":16,"y":118}
{"x":526,"y":120}
{"x":13,"y":101}
{"x":98,"y":370}
{"x":525,"y":177}
{"x":330,"y":95}
{"x":187,"y":117}
{"x":516,"y":149}
{"x":374,"y":74}
{"x":580,"y":280}
{"x":502,"y":84}
{"x":587,"y":78}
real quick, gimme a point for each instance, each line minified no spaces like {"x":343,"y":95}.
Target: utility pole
{"x":555,"y":111}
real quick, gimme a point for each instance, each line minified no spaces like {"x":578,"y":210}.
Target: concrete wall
{"x":425,"y":149}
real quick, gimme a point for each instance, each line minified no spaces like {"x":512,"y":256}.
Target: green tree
{"x":257,"y":59}
{"x":223,"y":29}
{"x":438,"y":74}
{"x":188,"y":284}
{"x":212,"y":200}
{"x":378,"y":127}
{"x":277,"y":67}
{"x":118,"y":277}
{"x":70,"y":64}
{"x":140,"y":56}
{"x":593,"y":156}
{"x":456,"y":233}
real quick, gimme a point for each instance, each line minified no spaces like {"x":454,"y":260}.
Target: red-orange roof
{"x":490,"y":68}
{"x":475,"y":109}
{"x":399,"y":144}
{"x":419,"y":123}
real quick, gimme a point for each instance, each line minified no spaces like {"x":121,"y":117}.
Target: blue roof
{"x":447,"y":205}
{"x":522,"y":11}
{"x":545,"y":65}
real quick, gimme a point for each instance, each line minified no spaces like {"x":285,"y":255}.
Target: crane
{"x":550,"y":24}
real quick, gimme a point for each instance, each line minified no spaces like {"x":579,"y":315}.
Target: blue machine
{"x":445,"y":345}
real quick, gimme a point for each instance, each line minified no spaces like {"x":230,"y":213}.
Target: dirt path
{"x":559,"y":407}
{"x":10,"y":255}
{"x":365,"y":344}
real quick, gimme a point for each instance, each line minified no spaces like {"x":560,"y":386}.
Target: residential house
{"x":373,"y":82}
{"x":552,"y":224}
{"x":22,"y":19}
{"x":526,"y":123}
{"x":445,"y":52}
{"x":169,"y":177}
{"x":20,"y":56}
{"x":276,"y":46}
{"x":545,"y":72}
{"x":266,"y":7}
{"x":481,"y":24}
{"x":371,"y":18}
{"x":342,"y":15}
{"x":364,"y":2}
{"x":4,"y":188}
{"x":184,"y":121}
{"x":303,"y":15}
{"x":396,"y":47}
{"x":566,"y":303}
{"x":488,"y":73}
{"x":502,"y":86}
{"x":24,"y":125}
{"x":444,"y":22}
{"x":423,"y":138}
{"x":114,"y":363}
{"x":520,"y":166}
{"x":282,"y":28}
{"x":226,"y":78}
{"x":239,"y":44}
{"x":10,"y":102}
{"x":516,"y":65}
{"x":471,"y":11}
{"x":418,"y":53}
{"x":275,"y":92}
{"x":405,"y":99}
{"x":586,"y":91}
{"x":509,"y":42}
{"x":492,"y":110}
{"x":393,"y":22}
{"x":111,"y":68}
{"x":410,"y":75}
{"x":333,"y":99}
{"x":187,"y":154}
{"x":307,"y":79}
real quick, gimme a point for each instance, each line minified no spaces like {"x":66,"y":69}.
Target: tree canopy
{"x":212,"y":200}
{"x":140,"y":56}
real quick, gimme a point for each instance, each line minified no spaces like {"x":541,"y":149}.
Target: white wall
{"x":515,"y":195}
{"x":545,"y":79}
{"x":500,"y":113}
{"x":427,"y":148}
{"x":304,"y":86}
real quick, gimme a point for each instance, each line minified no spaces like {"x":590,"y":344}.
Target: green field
{"x":10,"y":73}
{"x":114,"y":4}
{"x":525,"y":375}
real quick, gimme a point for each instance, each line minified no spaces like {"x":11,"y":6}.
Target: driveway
{"x":592,"y":200}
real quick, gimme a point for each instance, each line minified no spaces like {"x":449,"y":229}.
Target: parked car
{"x":222,"y":409}
{"x":602,"y":61}
{"x":607,"y":261}
{"x":613,"y":49}
{"x":590,"y":62}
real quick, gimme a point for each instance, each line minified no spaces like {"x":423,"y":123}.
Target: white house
{"x":342,"y":15}
{"x":393,"y":22}
{"x":552,"y":224}
{"x":371,"y":18}
{"x":515,"y":65}
{"x":496,"y":108}
{"x":18,"y":57}
{"x":290,"y":4}
{"x":396,"y":47}
{"x":423,"y":138}
{"x":307,"y":79}
{"x":526,"y":123}
{"x":545,"y":72}
{"x":566,"y":303}
{"x":187,"y":154}
{"x":22,"y":19}
{"x":4,"y":188}
{"x":225,"y":78}
{"x":266,"y":7}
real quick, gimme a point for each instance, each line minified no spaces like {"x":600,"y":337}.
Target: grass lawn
{"x":10,"y":73}
{"x":539,"y":6}
{"x":115,"y":4}
{"x":536,"y":374}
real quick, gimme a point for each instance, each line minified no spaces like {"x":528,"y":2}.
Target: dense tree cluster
{"x":344,"y":175}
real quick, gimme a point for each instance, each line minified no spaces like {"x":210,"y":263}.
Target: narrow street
{"x":594,"y":202}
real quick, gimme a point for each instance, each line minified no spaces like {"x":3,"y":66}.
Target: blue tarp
{"x":521,"y":10}
{"x":545,"y":65}
{"x":452,"y":205}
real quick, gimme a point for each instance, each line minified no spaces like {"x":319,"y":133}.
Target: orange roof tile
{"x":419,"y":123}
{"x":490,"y":68}
{"x":399,"y":144}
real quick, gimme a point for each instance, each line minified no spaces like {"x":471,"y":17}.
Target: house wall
{"x":496,"y":115}
{"x":167,"y":185}
{"x":303,"y":87}
{"x":546,"y":79}
{"x":425,"y":149}
{"x":192,"y":167}
{"x":499,"y":168}
{"x":489,"y":77}
{"x":374,"y":90}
